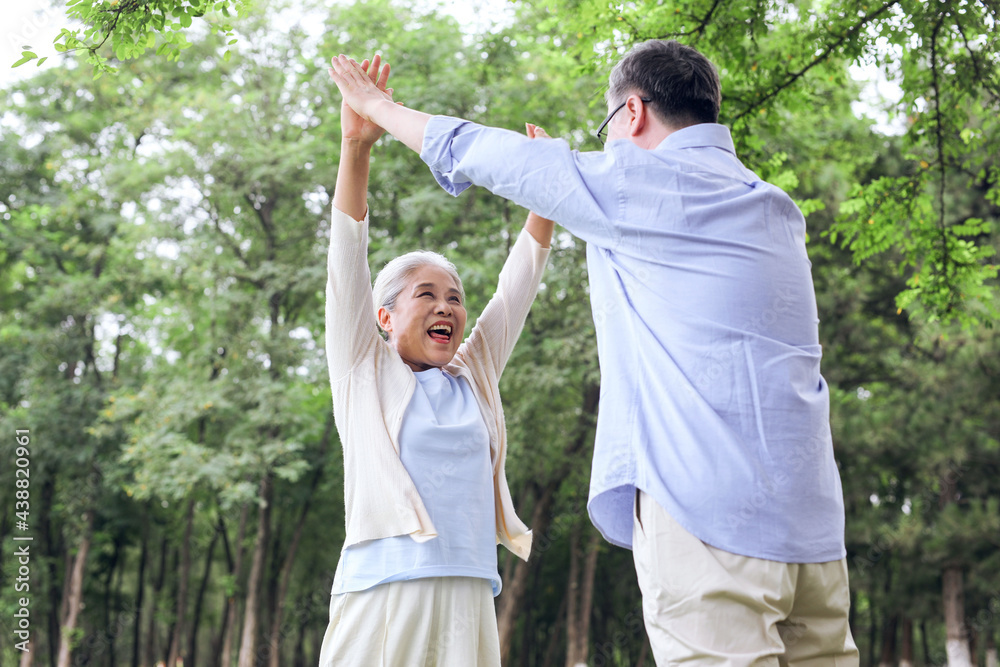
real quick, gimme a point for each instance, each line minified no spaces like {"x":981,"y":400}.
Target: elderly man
{"x":713,"y":460}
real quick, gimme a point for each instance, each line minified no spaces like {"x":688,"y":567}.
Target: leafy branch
{"x":819,"y":59}
{"x":135,"y":26}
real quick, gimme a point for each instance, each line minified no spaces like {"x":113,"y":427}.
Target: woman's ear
{"x":385,"y":319}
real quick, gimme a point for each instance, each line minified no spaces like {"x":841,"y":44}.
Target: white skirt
{"x":433,"y":622}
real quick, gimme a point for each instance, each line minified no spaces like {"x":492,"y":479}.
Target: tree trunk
{"x":957,"y":645}
{"x":991,"y":650}
{"x":286,"y":568}
{"x":249,"y":640}
{"x":137,"y":626}
{"x":572,"y":597}
{"x":924,"y":644}
{"x":172,"y":630}
{"x":27,"y":656}
{"x":509,"y":607}
{"x":580,"y":594}
{"x":888,"y":655}
{"x":148,"y":659}
{"x":182,"y":589}
{"x":226,"y":659}
{"x":67,"y":582}
{"x":510,"y":603}
{"x":906,"y":641}
{"x":51,"y":549}
{"x":587,"y":594}
{"x":110,"y":629}
{"x":75,"y":598}
{"x":643,"y":654}
{"x":317,"y":646}
{"x":122,"y":618}
{"x":555,"y":632}
{"x":299,"y":656}
{"x":192,"y":650}
{"x":528,"y":630}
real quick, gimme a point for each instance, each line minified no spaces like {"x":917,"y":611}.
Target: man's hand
{"x":353,"y":126}
{"x":362,"y":86}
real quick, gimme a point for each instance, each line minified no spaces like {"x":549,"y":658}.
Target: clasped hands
{"x":363,"y":86}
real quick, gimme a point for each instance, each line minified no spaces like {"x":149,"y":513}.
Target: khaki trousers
{"x":705,"y":606}
{"x":434,"y":622}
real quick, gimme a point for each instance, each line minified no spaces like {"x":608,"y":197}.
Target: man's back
{"x":712,"y":399}
{"x":711,"y":395}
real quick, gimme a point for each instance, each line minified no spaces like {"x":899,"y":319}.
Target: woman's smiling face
{"x":427,"y":323}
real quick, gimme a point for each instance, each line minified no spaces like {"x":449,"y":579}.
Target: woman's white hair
{"x":394,"y":276}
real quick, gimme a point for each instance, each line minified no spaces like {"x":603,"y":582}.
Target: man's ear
{"x":385,"y":319}
{"x":638,"y":115}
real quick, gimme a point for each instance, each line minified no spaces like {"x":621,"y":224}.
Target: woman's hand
{"x":539,"y":227}
{"x":353,"y":126}
{"x":535,"y":132}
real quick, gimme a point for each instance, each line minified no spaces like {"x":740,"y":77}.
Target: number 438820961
{"x":22,"y":480}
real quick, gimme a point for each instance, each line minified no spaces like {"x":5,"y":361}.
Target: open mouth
{"x":440,"y":333}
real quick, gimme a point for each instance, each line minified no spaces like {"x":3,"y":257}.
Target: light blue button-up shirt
{"x":712,"y":400}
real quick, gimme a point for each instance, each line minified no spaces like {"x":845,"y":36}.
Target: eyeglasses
{"x":602,"y":135}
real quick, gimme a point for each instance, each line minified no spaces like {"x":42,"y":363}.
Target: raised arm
{"x":498,"y":327}
{"x":358,"y":135}
{"x":350,"y":317}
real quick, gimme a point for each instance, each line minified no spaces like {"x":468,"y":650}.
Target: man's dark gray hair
{"x":682,"y":83}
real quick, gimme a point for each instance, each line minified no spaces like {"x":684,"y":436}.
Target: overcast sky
{"x":33,"y":23}
{"x":36,"y":23}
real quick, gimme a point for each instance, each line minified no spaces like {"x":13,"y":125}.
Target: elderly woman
{"x":422,"y":427}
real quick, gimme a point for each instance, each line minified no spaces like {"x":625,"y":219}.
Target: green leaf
{"x":26,"y":56}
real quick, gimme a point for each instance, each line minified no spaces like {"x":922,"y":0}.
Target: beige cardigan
{"x":372,"y":387}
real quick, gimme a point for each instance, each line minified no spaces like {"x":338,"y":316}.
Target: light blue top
{"x":711,"y":395}
{"x":445,"y":447}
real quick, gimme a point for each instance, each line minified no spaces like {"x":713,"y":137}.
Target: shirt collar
{"x":702,"y":135}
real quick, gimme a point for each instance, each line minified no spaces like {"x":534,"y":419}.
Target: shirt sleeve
{"x":580,"y":191}
{"x":351,"y":329}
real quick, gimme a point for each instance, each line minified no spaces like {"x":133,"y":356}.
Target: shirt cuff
{"x":436,"y":152}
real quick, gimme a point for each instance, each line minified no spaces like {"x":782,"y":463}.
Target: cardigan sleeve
{"x":351,"y":329}
{"x":496,"y":331}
